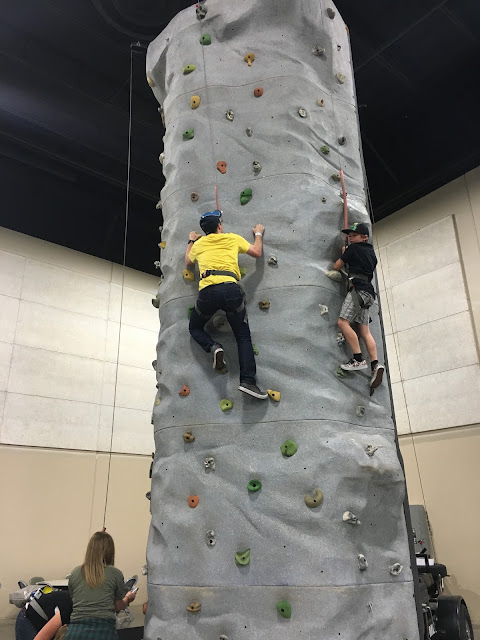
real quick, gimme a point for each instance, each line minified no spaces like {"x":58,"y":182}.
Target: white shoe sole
{"x":349,"y":368}
{"x":260,"y":396}
{"x":218,"y":361}
{"x":376,"y":380}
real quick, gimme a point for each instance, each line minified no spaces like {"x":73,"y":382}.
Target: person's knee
{"x":364,"y":330}
{"x":341,"y":322}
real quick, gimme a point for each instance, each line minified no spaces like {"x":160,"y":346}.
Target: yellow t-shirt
{"x":218,"y":251}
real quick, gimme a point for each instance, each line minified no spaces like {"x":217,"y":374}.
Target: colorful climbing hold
{"x":341,"y":373}
{"x":273,"y":261}
{"x":362,"y":562}
{"x":209,"y":463}
{"x":194,"y":196}
{"x":189,"y":310}
{"x":249,"y":131}
{"x":243,"y":272}
{"x":256,"y":166}
{"x":157,"y":402}
{"x":289,"y":448}
{"x":158,"y":205}
{"x":330,"y":13}
{"x":222,"y":166}
{"x":254,"y":485}
{"x":193,"y":501}
{"x":264,"y":305}
{"x":163,"y":244}
{"x":201,"y":11}
{"x":321,"y":102}
{"x":370,"y":450}
{"x":336,"y":177}
{"x":210,"y":538}
{"x":324,"y":199}
{"x":184,"y":391}
{"x":257,"y":92}
{"x":360,"y":411}
{"x":396,"y":569}
{"x":325,"y":150}
{"x":323,"y":309}
{"x":161,"y":157}
{"x":274,"y":395}
{"x":188,"y":437}
{"x":188,"y":68}
{"x":246,"y":196}
{"x":314,"y":500}
{"x":230,"y":115}
{"x":340,"y":339}
{"x":334,"y":275}
{"x":341,"y":77}
{"x":302,"y":112}
{"x":226,"y":405}
{"x":188,"y":275}
{"x":243,"y":557}
{"x":284,"y":608}
{"x":255,"y":349}
{"x":195,"y":102}
{"x":350,"y":518}
{"x":342,"y":140}
{"x":188,"y":134}
{"x":148,"y":495}
{"x":318,"y":50}
{"x":194,"y":607}
{"x":249,"y":58}
{"x":156,"y":303}
{"x":206,"y":39}
{"x":151,"y":82}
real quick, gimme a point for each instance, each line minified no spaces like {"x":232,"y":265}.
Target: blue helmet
{"x":209,"y":221}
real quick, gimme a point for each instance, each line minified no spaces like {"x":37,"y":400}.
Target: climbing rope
{"x":345,"y":207}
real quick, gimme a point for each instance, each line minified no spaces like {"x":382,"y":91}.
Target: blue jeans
{"x":227,"y":296}
{"x":24,"y":629}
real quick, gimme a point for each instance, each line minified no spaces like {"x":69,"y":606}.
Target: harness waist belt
{"x":215,"y":272}
{"x":359,"y":276}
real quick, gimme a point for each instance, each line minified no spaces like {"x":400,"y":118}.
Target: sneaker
{"x":253,"y":390}
{"x":354,"y":365}
{"x":377,"y":375}
{"x":218,"y":361}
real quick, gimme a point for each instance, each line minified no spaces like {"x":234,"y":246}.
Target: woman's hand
{"x":130,"y":596}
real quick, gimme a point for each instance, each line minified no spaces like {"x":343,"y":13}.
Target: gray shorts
{"x":347,"y":311}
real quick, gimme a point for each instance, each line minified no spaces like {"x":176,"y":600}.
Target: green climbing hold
{"x":341,"y":373}
{"x":188,"y":134}
{"x":246,"y":196}
{"x":284,"y":608}
{"x":190,"y":309}
{"x":325,"y":150}
{"x":206,"y":39}
{"x":314,"y":500}
{"x":255,"y":349}
{"x":188,"y":69}
{"x":243,"y":272}
{"x":243,"y":557}
{"x":254,"y":485}
{"x":226,"y":405}
{"x":289,"y":448}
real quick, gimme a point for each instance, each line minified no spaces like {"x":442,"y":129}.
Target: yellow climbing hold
{"x":195,"y":102}
{"x":162,"y":244}
{"x":157,"y":402}
{"x":274,"y":395}
{"x":249,"y":58}
{"x":188,"y":275}
{"x":151,"y":82}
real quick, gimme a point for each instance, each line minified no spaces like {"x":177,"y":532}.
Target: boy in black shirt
{"x":361,"y":260}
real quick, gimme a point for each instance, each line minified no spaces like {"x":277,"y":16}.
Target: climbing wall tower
{"x":247,"y":541}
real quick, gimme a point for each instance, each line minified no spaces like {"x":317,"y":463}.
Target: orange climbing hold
{"x":193,"y":501}
{"x":184,"y":391}
{"x":222,"y":166}
{"x":162,"y":244}
{"x":257,"y":92}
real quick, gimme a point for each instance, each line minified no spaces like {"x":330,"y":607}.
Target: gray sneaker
{"x":253,"y":390}
{"x":354,"y":365}
{"x":377,"y":376}
{"x":218,"y":362}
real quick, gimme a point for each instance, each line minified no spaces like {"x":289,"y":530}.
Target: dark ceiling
{"x":65,"y":68}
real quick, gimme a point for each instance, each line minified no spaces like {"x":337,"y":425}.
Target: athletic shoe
{"x":218,"y":361}
{"x":354,"y":365}
{"x":252,"y":390}
{"x":377,"y":375}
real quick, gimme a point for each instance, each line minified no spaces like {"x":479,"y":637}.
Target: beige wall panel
{"x":47,"y":422}
{"x":443,"y":400}
{"x":423,"y":251}
{"x":448,"y":463}
{"x":50,"y":253}
{"x":37,"y":372}
{"x":8,"y":317}
{"x":11,"y":273}
{"x":136,"y":306}
{"x":135,"y":279}
{"x":442,"y":345}
{"x":393,"y":367}
{"x":3,"y":397}
{"x":60,"y":330}
{"x":132,"y":431}
{"x":135,"y":388}
{"x":65,"y":289}
{"x":401,"y":414}
{"x":137,"y":346}
{"x":468,"y":228}
{"x":6,"y":349}
{"x":424,"y":299}
{"x":386,"y":316}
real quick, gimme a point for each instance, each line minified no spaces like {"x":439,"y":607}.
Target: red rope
{"x":216,"y":197}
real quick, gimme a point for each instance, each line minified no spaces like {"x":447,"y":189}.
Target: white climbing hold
{"x":162,"y":113}
{"x":209,"y":463}
{"x":342,"y":140}
{"x":370,"y":450}
{"x":341,"y":77}
{"x":334,"y":275}
{"x":321,"y":102}
{"x":144,"y":570}
{"x":158,"y":205}
{"x":222,"y":637}
{"x":201,"y":11}
{"x":156,"y":302}
{"x":360,"y":411}
{"x":161,"y":157}
{"x":396,"y":569}
{"x":318,"y":50}
{"x":323,"y":309}
{"x":350,"y":518}
{"x":336,"y":178}
{"x":302,"y":112}
{"x":210,"y":537}
{"x":362,"y":562}
{"x":157,"y":264}
{"x":230,"y":115}
{"x":249,"y":131}
{"x":340,"y":339}
{"x":256,"y":166}
{"x":272,"y":261}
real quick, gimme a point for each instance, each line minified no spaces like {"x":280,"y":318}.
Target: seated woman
{"x":98,"y":592}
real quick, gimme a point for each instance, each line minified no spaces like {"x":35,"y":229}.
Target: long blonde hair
{"x":100,"y":553}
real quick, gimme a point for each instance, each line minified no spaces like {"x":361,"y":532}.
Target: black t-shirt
{"x":49,"y":602}
{"x":360,"y":258}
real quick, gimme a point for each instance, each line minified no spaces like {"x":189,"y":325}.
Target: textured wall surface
{"x":306,"y":556}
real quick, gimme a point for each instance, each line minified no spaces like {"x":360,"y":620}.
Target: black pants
{"x":227,"y":296}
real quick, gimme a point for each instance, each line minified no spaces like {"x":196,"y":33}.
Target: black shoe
{"x":253,"y":390}
{"x":218,"y":361}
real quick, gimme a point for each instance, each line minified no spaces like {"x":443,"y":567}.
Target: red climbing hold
{"x":184,"y":391}
{"x":257,"y":92}
{"x":193,"y":501}
{"x":222,"y":166}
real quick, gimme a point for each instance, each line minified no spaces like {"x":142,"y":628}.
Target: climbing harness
{"x":216,"y":272}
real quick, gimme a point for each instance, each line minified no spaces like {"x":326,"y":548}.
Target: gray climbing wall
{"x":306,"y":556}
